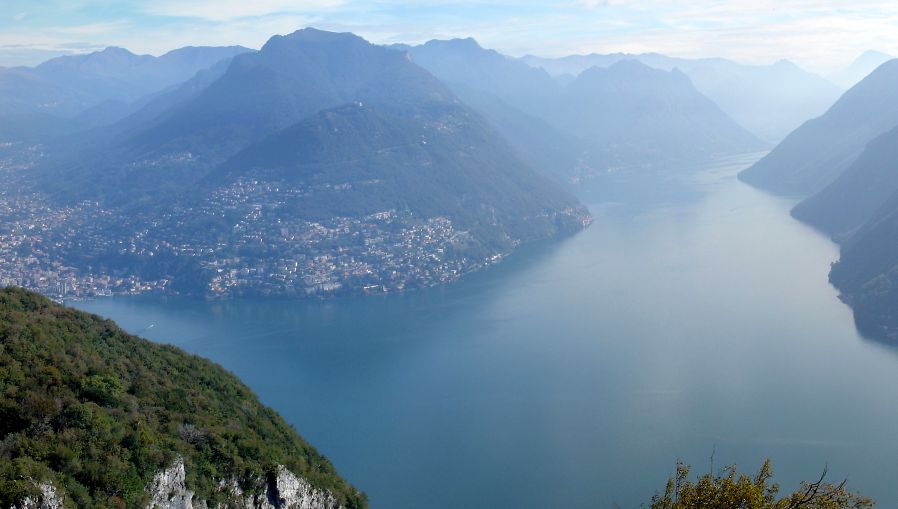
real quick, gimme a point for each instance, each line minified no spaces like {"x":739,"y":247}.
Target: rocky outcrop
{"x":168,"y":489}
{"x":48,"y":498}
{"x":284,"y":490}
{"x":287,"y":491}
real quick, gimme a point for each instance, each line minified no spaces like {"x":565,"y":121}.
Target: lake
{"x":693,"y":317}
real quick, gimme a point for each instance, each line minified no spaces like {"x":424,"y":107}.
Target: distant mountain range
{"x":770,"y":101}
{"x":815,"y":154}
{"x":60,"y":94}
{"x":628,"y":115}
{"x":319,"y":148}
{"x":859,"y":69}
{"x":325,"y":165}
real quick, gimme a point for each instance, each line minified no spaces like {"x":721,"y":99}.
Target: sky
{"x":822,"y":36}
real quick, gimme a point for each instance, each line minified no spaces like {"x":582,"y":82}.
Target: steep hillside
{"x":867,"y":273}
{"x":858,"y":193}
{"x":465,"y":62}
{"x":100,"y":418}
{"x":626,"y":115}
{"x":634,"y":114}
{"x":442,"y":161}
{"x":815,"y":154}
{"x":513,"y":97}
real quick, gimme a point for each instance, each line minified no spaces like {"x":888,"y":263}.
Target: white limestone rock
{"x":168,"y":489}
{"x":287,"y":491}
{"x":48,"y":499}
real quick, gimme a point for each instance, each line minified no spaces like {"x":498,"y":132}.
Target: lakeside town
{"x":86,"y":251}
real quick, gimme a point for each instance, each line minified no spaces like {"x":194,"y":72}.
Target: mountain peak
{"x":872,"y":55}
{"x":785,"y":64}
{"x":468,"y":44}
{"x":109,"y":54}
{"x":883,"y":72}
{"x":630,"y":64}
{"x":115,"y":50}
{"x":627,"y":67}
{"x":310,"y":34}
{"x":311,"y":37}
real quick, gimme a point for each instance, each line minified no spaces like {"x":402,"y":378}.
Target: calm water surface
{"x":693,"y":316}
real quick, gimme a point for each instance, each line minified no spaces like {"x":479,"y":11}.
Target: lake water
{"x":693,"y":317}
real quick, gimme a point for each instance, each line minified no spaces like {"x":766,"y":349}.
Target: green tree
{"x":730,"y":490}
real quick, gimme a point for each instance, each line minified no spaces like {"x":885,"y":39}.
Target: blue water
{"x":693,"y":316}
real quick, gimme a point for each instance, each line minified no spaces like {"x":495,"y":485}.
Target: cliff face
{"x":168,"y":490}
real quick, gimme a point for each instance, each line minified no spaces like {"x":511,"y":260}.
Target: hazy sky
{"x":820,"y":35}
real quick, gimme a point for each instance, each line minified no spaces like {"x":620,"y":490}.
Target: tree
{"x":730,"y":490}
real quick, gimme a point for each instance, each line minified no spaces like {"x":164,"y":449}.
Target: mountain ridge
{"x":768,"y":100}
{"x":466,"y":67}
{"x":815,"y":154}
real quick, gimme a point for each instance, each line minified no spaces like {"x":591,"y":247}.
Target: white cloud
{"x":819,"y":34}
{"x":228,"y":10}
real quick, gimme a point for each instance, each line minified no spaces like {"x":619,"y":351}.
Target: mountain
{"x":854,"y":197}
{"x":465,"y":62}
{"x":866,"y":63}
{"x":815,"y":154}
{"x":95,"y":417}
{"x":867,"y":273}
{"x":292,"y":77}
{"x":513,"y":97}
{"x":450,"y":164}
{"x":119,"y":75}
{"x":768,"y":100}
{"x":322,"y":164}
{"x":633,"y":114}
{"x":575,"y":64}
{"x":661,"y":108}
{"x":63,"y":88}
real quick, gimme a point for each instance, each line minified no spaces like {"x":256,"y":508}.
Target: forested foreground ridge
{"x":92,"y":417}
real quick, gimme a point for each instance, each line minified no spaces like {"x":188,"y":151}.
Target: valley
{"x":565,"y":272}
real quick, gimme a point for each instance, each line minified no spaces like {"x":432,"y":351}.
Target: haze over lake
{"x":694,"y":319}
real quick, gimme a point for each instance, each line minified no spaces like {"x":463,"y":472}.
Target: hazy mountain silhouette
{"x":83,"y":90}
{"x":768,"y":100}
{"x":622,"y":116}
{"x":866,"y":63}
{"x":634,"y":114}
{"x":858,"y":193}
{"x":815,"y":154}
{"x":513,"y":97}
